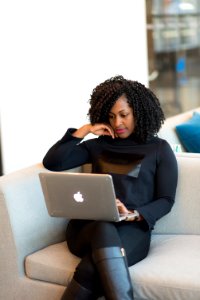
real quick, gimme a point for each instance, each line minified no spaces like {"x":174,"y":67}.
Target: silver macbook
{"x":80,"y":196}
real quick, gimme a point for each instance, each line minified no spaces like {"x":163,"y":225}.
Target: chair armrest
{"x":23,"y":216}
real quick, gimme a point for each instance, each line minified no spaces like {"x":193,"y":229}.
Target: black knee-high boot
{"x":75,"y":291}
{"x":114,"y":273}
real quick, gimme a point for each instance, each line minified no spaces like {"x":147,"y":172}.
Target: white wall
{"x":53,"y":53}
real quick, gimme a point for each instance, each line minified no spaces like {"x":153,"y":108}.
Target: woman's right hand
{"x":102,"y":129}
{"x":121,"y":207}
{"x":96,"y":129}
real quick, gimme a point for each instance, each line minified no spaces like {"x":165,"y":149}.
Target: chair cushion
{"x":189,"y":133}
{"x":53,"y":264}
{"x":170,"y":271}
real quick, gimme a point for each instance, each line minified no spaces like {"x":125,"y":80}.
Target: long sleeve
{"x":67,"y":153}
{"x":165,"y":187}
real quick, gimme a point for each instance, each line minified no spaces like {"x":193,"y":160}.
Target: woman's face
{"x":121,"y":118}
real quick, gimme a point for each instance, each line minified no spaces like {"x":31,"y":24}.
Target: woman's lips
{"x":120,"y":131}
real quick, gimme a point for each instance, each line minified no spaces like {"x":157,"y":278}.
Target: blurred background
{"x":173,"y":32}
{"x":53,"y":53}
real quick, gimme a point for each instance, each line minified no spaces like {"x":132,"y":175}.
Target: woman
{"x":126,"y":116}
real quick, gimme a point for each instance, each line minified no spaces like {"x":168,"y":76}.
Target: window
{"x":173,"y":31}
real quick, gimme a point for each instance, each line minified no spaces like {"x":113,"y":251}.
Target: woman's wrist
{"x":136,"y":216}
{"x":82,"y":131}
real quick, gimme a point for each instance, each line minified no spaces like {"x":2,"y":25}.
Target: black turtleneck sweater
{"x":144,"y":175}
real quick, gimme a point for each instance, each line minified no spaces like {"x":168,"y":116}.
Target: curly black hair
{"x":146,"y":107}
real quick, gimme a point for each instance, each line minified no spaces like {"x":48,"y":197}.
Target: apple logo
{"x":78,"y":197}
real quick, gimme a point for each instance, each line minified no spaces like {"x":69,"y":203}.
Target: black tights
{"x":83,"y":237}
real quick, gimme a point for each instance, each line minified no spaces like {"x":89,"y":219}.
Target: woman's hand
{"x":121,"y":207}
{"x":97,"y":129}
{"x":102,"y":129}
{"x":123,"y":210}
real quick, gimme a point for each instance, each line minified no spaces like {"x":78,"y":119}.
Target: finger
{"x":118,"y":202}
{"x":102,"y":129}
{"x":109,"y":131}
{"x":130,"y":218}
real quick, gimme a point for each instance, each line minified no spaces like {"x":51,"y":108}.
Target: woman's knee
{"x":105,"y":235}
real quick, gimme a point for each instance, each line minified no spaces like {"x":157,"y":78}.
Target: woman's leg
{"x":111,"y":260}
{"x":103,"y":239}
{"x":114,"y":273}
{"x":83,"y":238}
{"x":85,"y":283}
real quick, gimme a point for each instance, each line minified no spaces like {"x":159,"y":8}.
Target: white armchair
{"x":36,"y":264}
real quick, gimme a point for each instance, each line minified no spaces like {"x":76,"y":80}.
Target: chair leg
{"x":75,"y":291}
{"x":114,"y":273}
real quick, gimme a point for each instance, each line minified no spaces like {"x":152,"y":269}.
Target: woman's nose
{"x":117,"y":121}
